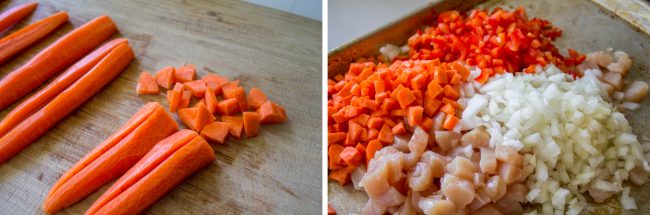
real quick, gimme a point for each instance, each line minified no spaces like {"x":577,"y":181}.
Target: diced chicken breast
{"x":436,"y":162}
{"x":372,"y":208}
{"x":433,"y":206}
{"x":390,"y":198}
{"x":622,"y":64}
{"x":496,"y":188}
{"x":421,"y":177}
{"x":488,"y":161}
{"x":615,"y":79}
{"x":461,"y":167}
{"x":477,"y":138}
{"x":517,"y":192}
{"x":636,"y":91}
{"x":447,"y":140}
{"x":600,"y":58}
{"x":509,"y":172}
{"x":458,"y":190}
{"x":400,"y":142}
{"x":509,"y":206}
{"x":599,"y":196}
{"x":487,"y":210}
{"x":418,"y":142}
{"x":407,"y":208}
{"x":509,"y":155}
{"x":638,"y":175}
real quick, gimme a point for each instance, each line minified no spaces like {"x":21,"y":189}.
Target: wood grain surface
{"x":278,"y":172}
{"x":586,"y":27}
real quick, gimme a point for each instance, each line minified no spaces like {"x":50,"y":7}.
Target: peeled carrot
{"x":21,"y":39}
{"x":147,"y":84}
{"x":186,"y":97}
{"x":351,"y":156}
{"x":373,"y":146}
{"x":111,"y":158}
{"x":227,"y":88}
{"x":210,"y":100}
{"x":165,"y":77}
{"x":235,"y":125}
{"x":176,"y":97}
{"x":450,"y":122}
{"x":185,"y":74}
{"x":54,"y":58}
{"x":74,"y":96}
{"x":215,"y":82}
{"x":203,"y":118}
{"x":240,"y":95}
{"x":14,"y":15}
{"x":256,"y":98}
{"x":216,"y":132}
{"x":251,"y":123}
{"x":72,"y":74}
{"x":157,"y":173}
{"x":196,"y":87}
{"x":228,"y":106}
{"x":271,"y":113}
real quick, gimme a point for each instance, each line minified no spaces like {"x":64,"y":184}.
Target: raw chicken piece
{"x":509,"y":172}
{"x":447,"y":140}
{"x":407,"y":208}
{"x":496,"y":188}
{"x":372,"y":208}
{"x":615,"y":79}
{"x":600,"y":58}
{"x":400,"y":142}
{"x":437,"y":206}
{"x":437,"y":163}
{"x":509,"y":206}
{"x":390,"y":198}
{"x":458,"y":190}
{"x":488,"y":161}
{"x":461,"y":167}
{"x":599,"y":196}
{"x":517,"y":192}
{"x":418,"y":142}
{"x":477,"y":138}
{"x":622,"y":64}
{"x":636,"y":91}
{"x":638,"y":175}
{"x":509,"y":155}
{"x":487,"y":210}
{"x":421,"y":177}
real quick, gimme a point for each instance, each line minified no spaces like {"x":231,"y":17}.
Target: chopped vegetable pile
{"x":447,"y":127}
{"x":216,"y":95}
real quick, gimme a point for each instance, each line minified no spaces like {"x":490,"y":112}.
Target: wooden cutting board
{"x":278,"y":172}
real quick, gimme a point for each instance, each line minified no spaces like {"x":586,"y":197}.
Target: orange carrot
{"x":240,"y":95}
{"x":256,"y":98}
{"x":176,"y":96}
{"x":196,"y":87}
{"x":415,"y":115}
{"x":336,"y":137}
{"x":227,"y":88}
{"x":185,"y":73}
{"x":14,"y":15}
{"x":216,"y":132}
{"x":210,"y":100}
{"x":186,"y":97}
{"x":251,"y":123}
{"x":72,"y":74}
{"x":215,"y":82}
{"x":271,"y":113}
{"x":147,"y":84}
{"x":111,"y":158}
{"x":21,"y":39}
{"x":203,"y":118}
{"x":74,"y":96}
{"x":228,"y":107}
{"x":351,"y":156}
{"x":165,"y":77}
{"x":187,"y":116}
{"x":157,"y":173}
{"x":54,"y":58}
{"x":373,"y":146}
{"x":450,"y":122}
{"x":235,"y":125}
{"x":399,"y":129}
{"x":334,"y":152}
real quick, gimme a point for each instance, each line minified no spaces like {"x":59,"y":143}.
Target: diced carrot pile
{"x":495,"y":42}
{"x":371,"y":103}
{"x":241,"y":113}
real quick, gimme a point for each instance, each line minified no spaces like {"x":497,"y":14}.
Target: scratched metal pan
{"x":588,"y":25}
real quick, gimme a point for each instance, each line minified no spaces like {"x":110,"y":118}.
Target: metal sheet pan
{"x":587,"y":26}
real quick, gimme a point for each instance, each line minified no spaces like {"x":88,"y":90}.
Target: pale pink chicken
{"x":635,"y":91}
{"x":447,"y":140}
{"x":638,"y":175}
{"x":488,"y":210}
{"x":599,"y":58}
{"x":477,"y":138}
{"x":461,"y":167}
{"x":509,"y":172}
{"x":615,"y":79}
{"x":458,"y":190}
{"x":488,"y":162}
{"x":496,"y":188}
{"x":509,"y":155}
{"x":622,"y":64}
{"x":437,"y":206}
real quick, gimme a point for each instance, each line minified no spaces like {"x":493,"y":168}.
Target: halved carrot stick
{"x":176,"y":96}
{"x":235,"y":125}
{"x":14,"y":15}
{"x":112,"y":158}
{"x":60,"y":54}
{"x":162,"y":169}
{"x":251,"y":123}
{"x":72,"y":74}
{"x":21,"y":39}
{"x":74,"y":96}
{"x":147,"y":84}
